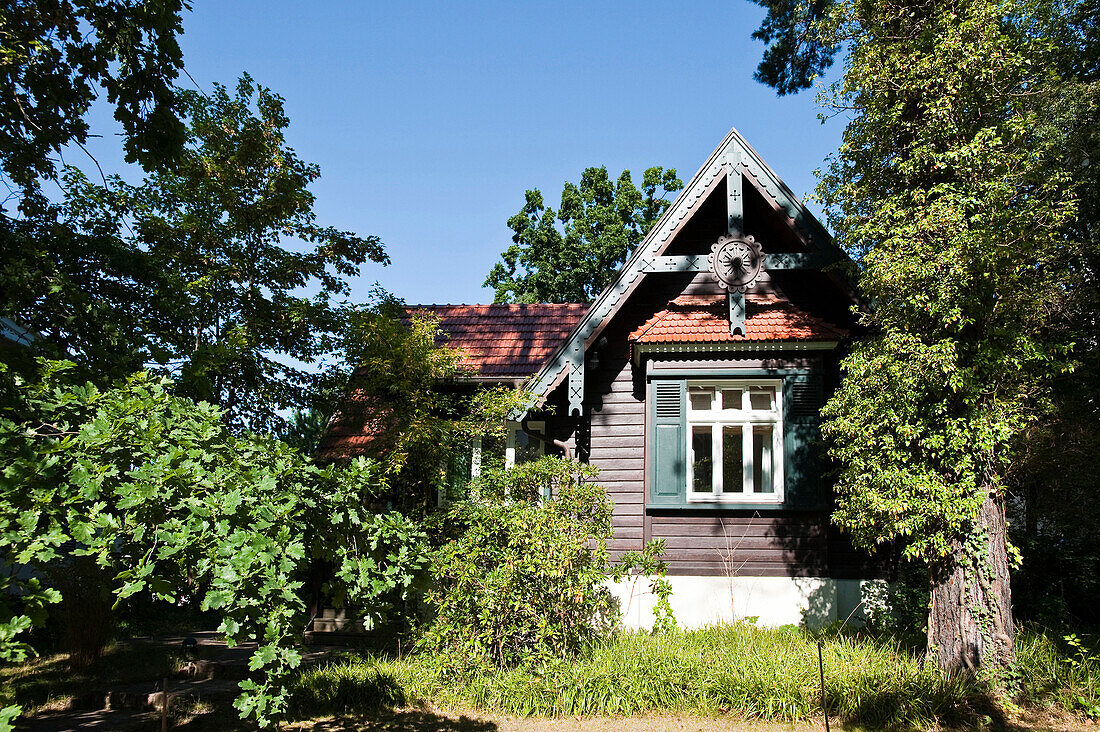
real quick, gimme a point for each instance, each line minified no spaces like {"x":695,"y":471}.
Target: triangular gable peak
{"x":736,"y":164}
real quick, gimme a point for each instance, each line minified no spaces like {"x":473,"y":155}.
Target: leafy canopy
{"x":57,"y":57}
{"x":570,"y":255}
{"x":167,"y":501}
{"x":246,"y":282}
{"x":407,"y":388}
{"x":797,"y":51}
{"x":87,"y":292}
{"x":957,"y":213}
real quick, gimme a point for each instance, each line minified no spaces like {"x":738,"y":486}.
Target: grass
{"x":755,"y":673}
{"x":767,"y":674}
{"x":1051,"y":675}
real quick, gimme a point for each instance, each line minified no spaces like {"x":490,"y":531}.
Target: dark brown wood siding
{"x":612,"y":436}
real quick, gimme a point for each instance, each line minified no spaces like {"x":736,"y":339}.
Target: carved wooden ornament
{"x":737,"y":261}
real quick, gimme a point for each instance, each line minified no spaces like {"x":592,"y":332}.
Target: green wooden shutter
{"x":802,"y":400}
{"x":668,"y":482}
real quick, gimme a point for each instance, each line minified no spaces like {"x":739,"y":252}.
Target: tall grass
{"x":769,"y":674}
{"x":1053,"y":674}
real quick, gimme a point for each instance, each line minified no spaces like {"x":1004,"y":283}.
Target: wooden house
{"x":694,"y":384}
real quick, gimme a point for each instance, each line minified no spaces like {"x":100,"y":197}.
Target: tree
{"x":163,"y":499}
{"x":571,"y":255}
{"x":239,"y":331}
{"x":797,"y":52}
{"x":84,"y":293}
{"x":406,"y":386}
{"x":1056,"y":484}
{"x":957,"y":214}
{"x":55,"y":59}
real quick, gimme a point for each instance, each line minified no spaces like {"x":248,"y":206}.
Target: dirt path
{"x":454,"y":721}
{"x":458,"y":721}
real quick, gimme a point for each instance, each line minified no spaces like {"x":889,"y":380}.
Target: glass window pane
{"x":702,"y":397}
{"x":492,"y":452}
{"x":762,"y":459}
{"x":527,"y":448}
{"x":701,"y":459}
{"x":732,"y":476}
{"x":731,"y":399}
{"x":762,"y":397}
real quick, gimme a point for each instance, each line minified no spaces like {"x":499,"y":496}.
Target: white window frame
{"x":514,"y":428}
{"x":745,"y":418}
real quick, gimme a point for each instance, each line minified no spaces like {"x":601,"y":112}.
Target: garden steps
{"x":213,"y":672}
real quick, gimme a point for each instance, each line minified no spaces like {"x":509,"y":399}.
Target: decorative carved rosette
{"x":737,"y":261}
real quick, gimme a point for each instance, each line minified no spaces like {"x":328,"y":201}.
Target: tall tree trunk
{"x":970,"y":622}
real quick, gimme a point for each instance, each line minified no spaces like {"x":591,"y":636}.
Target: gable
{"x":680,"y":242}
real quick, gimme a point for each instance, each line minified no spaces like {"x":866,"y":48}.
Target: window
{"x":734,"y":441}
{"x":522,"y":447}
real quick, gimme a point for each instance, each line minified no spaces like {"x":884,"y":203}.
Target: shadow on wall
{"x":821,"y":602}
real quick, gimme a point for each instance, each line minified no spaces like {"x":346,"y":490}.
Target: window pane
{"x":762,"y":459}
{"x":702,"y":397}
{"x":701,"y":459}
{"x":762,"y":397}
{"x":492,"y":452}
{"x":733,"y":478}
{"x":731,"y":399}
{"x":527,"y":447}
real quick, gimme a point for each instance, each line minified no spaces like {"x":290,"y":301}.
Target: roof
{"x":704,"y":319}
{"x":505,"y":341}
{"x":733,"y":157}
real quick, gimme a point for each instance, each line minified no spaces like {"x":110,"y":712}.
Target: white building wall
{"x":698,"y":601}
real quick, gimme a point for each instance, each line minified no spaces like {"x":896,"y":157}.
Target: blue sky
{"x":430,"y":120}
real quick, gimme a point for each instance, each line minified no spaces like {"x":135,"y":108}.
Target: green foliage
{"x":238,"y":331}
{"x":648,"y":563}
{"x":1057,"y":674}
{"x":750,"y":672}
{"x":166,"y":501}
{"x":85,"y":291}
{"x":797,"y":53}
{"x":58,"y":57}
{"x":928,"y":188}
{"x":407,"y":387}
{"x":520,"y":578}
{"x":571,"y":255}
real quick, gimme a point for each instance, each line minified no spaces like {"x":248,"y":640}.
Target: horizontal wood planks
{"x":765,"y":544}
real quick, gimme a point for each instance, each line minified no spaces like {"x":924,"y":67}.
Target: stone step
{"x":140,"y":697}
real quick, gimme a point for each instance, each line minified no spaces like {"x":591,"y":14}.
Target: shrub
{"x":899,"y":609}
{"x":158,"y":497}
{"x":520,"y":578}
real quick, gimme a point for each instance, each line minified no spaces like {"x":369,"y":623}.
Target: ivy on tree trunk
{"x":970,"y":619}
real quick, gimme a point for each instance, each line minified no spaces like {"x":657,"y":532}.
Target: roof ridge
{"x":498,"y":305}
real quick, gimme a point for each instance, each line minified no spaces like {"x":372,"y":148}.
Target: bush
{"x":899,"y":609}
{"x":151,"y":494}
{"x":519,"y":578}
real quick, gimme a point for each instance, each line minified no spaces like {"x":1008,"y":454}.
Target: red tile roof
{"x":498,"y":342}
{"x":506,"y":341}
{"x":705,"y":318}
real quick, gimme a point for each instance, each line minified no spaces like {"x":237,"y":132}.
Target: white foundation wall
{"x":698,"y":601}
